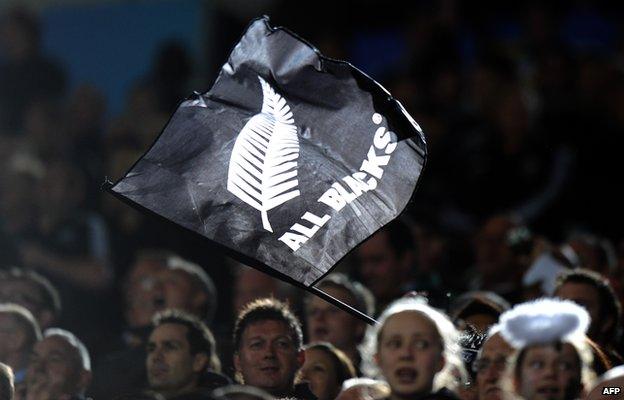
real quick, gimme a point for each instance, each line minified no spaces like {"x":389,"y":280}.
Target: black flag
{"x":289,"y":161}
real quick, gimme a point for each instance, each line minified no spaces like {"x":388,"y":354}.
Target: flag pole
{"x":345,"y":307}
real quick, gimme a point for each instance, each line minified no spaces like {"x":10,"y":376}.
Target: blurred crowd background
{"x":522,"y":105}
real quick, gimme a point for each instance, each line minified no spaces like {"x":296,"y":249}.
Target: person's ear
{"x":238,"y":375}
{"x":200,"y":362}
{"x":300,"y":358}
{"x":199,"y":299}
{"x":84,"y":380}
{"x":441,"y":364}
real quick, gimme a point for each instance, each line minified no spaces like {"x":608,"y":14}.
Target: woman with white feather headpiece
{"x":553,"y":358}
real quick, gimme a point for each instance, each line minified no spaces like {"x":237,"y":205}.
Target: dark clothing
{"x":442,"y":394}
{"x":210,"y":381}
{"x":303,"y":392}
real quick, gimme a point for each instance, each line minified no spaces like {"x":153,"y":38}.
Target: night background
{"x":522,"y":106}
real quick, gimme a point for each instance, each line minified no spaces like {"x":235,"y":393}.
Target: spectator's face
{"x":327,"y":323}
{"x":144,"y":294}
{"x":55,"y":369}
{"x":381,"y":268}
{"x":492,"y":253}
{"x":586,"y":296}
{"x":268,"y":357}
{"x":28,"y":295}
{"x":409,"y":353}
{"x":181,"y":292}
{"x":320,"y":372}
{"x":490,"y":366}
{"x":549,"y":374}
{"x":171,"y":368}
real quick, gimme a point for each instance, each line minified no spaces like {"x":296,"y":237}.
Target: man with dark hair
{"x":327,"y":323}
{"x":386,"y":260}
{"x":59,"y":368}
{"x":268,"y":348}
{"x":19,"y":333}
{"x":592,"y":291}
{"x":32,"y":291}
{"x":478,"y":309}
{"x":181,"y":357}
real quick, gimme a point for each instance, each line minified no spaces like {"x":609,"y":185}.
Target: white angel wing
{"x":263,"y":164}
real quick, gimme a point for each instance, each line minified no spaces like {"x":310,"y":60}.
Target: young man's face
{"x":549,"y":373}
{"x":268,"y":357}
{"x":171,"y":368}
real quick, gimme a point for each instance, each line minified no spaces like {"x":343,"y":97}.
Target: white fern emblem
{"x":263,"y":164}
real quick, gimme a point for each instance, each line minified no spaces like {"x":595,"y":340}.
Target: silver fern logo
{"x":263,"y":164}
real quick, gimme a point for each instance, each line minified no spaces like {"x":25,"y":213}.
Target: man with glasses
{"x":490,"y":365}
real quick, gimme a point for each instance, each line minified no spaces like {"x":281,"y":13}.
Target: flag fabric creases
{"x":289,"y":161}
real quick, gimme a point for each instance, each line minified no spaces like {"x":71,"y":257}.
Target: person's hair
{"x":7,"y":382}
{"x":267,"y":309}
{"x":449,"y":338}
{"x":198,"y":335}
{"x":51,"y":297}
{"x":344,"y":367}
{"x":363,"y":298}
{"x":478,"y":302}
{"x":377,"y":389}
{"x":81,"y":349}
{"x":601,"y":363}
{"x":240,"y":392}
{"x":610,"y":306}
{"x":25,"y":318}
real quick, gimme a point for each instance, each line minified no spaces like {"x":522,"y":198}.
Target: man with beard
{"x":268,"y":349}
{"x":181,"y":358}
{"x":60,"y":367}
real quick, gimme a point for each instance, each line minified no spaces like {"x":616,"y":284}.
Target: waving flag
{"x":288,"y":162}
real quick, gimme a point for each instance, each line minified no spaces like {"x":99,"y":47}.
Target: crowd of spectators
{"x":523,"y":113}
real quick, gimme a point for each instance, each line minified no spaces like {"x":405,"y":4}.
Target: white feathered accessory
{"x":543,"y":321}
